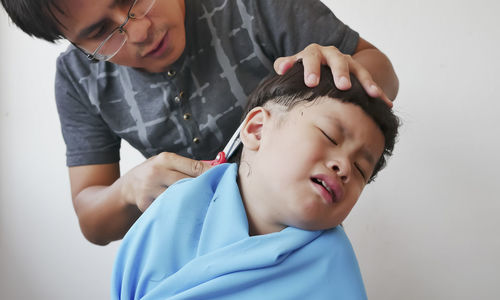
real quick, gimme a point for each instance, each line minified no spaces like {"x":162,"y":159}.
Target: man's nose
{"x":138,"y":30}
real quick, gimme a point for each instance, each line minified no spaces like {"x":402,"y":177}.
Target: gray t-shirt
{"x":194,"y":107}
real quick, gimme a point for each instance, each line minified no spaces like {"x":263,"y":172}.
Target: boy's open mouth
{"x":325,"y":186}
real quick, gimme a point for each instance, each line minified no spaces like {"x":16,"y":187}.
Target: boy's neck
{"x":259,"y":222}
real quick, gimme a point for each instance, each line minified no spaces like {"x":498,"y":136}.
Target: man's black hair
{"x":289,"y":90}
{"x":36,"y":17}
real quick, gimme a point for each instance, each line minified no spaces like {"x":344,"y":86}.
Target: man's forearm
{"x":102,"y":215}
{"x":381,"y":70}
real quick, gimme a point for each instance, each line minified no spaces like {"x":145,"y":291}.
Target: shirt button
{"x":171,"y":73}
{"x":187,"y":116}
{"x":178,"y":98}
{"x":196,"y":140}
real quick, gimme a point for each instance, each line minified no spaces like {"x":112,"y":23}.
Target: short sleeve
{"x":88,"y":139}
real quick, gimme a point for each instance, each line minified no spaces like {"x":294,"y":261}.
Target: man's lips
{"x":159,"y":47}
{"x":329,"y":187}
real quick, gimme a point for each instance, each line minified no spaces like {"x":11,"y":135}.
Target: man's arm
{"x":379,"y":66}
{"x":102,"y":214}
{"x":107,"y":204}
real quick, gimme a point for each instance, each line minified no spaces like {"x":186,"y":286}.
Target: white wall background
{"x":428,"y":229}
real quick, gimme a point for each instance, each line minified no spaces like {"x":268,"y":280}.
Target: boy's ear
{"x":251,"y":133}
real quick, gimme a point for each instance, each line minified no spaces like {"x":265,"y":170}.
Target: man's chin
{"x":158,"y":65}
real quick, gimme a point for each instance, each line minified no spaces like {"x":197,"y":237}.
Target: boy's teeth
{"x":326,"y":187}
{"x":319,"y":181}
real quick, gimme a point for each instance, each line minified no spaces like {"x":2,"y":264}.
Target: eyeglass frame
{"x":121,"y":29}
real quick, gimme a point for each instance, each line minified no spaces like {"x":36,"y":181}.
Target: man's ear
{"x":251,"y":133}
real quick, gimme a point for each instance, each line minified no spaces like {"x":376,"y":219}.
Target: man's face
{"x":154,"y":41}
{"x":313,"y":162}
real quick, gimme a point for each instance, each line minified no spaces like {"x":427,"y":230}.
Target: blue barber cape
{"x":193,"y":243}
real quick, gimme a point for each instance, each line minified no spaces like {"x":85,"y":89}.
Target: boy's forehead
{"x":330,"y":106}
{"x":350,"y":120}
{"x":320,"y":104}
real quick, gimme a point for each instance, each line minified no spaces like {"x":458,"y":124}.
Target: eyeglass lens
{"x":118,"y":37}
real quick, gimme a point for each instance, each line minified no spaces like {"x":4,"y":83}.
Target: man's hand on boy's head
{"x":142,"y":184}
{"x":314,"y":55}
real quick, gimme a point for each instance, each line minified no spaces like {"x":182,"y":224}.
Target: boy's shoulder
{"x":210,"y":179}
{"x":194,"y":194}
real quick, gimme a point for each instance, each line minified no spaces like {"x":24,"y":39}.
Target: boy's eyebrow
{"x":89,"y":29}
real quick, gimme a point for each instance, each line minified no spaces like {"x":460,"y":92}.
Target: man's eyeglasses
{"x":118,"y":37}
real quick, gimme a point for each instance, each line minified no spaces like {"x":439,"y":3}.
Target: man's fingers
{"x":386,"y":99}
{"x":341,"y":65}
{"x":282,"y":64}
{"x":369,"y":85}
{"x":174,"y":176}
{"x":145,"y":203}
{"x":365,"y":78}
{"x":311,"y":60}
{"x":176,"y":163}
{"x":148,"y":195}
{"x":198,"y":167}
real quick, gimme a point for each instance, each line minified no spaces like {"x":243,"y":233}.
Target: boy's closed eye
{"x":329,"y":137}
{"x":356,"y":165}
{"x":360,"y":170}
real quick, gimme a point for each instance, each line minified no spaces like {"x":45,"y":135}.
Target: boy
{"x":232,"y":233}
{"x":172,"y":77}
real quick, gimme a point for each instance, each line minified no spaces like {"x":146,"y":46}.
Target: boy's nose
{"x":342,"y":168}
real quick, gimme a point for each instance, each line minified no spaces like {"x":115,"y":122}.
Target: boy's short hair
{"x":36,"y":17}
{"x":289,"y":90}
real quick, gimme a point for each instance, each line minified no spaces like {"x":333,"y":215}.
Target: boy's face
{"x":317,"y":144}
{"x":154,"y":41}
